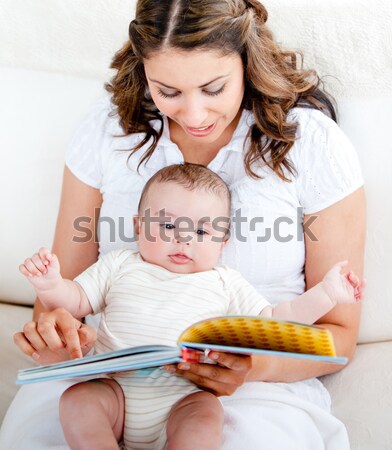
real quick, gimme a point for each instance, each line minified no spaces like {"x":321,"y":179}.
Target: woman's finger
{"x":33,"y":336}
{"x":87,"y":336}
{"x":211,"y":378}
{"x":222,"y":378}
{"x":236,"y":362}
{"x":214,"y":372}
{"x":23,"y":344}
{"x":68,"y":327}
{"x":47,"y":329}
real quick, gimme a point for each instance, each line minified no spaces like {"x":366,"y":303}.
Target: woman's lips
{"x":201,"y":132}
{"x":179,"y":258}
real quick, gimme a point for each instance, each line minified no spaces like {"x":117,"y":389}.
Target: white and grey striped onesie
{"x":145,"y":304}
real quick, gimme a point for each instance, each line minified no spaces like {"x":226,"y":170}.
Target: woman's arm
{"x":340,"y":234}
{"x":79,"y":202}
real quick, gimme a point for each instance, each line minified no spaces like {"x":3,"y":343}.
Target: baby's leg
{"x":92,"y":415}
{"x":195,"y":422}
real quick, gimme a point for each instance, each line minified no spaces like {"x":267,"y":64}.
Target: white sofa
{"x":54,"y":56}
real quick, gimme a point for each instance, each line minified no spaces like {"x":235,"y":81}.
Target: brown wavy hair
{"x":275,"y":81}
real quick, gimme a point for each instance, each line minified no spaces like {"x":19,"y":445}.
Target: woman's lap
{"x":258,"y":416}
{"x":32,"y":421}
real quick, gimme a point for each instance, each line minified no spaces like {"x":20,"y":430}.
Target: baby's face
{"x":180,"y":230}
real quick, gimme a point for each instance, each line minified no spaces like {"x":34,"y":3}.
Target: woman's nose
{"x":194,"y":113}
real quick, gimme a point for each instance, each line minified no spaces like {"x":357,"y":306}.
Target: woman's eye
{"x":213,"y":93}
{"x":176,"y":94}
{"x":167,"y":226}
{"x":165,"y":95}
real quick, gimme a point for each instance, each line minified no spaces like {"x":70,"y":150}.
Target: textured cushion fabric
{"x":362,"y":396}
{"x":12,"y":319}
{"x":347,"y":40}
{"x":67,"y":36}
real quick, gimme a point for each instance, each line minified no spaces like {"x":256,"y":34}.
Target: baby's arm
{"x":43,"y":272}
{"x":316,"y":302}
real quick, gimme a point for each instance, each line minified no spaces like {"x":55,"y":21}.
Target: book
{"x":231,"y":334}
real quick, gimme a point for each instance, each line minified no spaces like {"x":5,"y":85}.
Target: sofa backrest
{"x":53,"y":62}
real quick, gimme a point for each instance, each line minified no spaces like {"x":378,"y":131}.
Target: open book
{"x":231,"y":334}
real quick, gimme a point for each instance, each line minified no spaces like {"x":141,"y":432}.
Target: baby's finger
{"x":31,"y":267}
{"x":341,"y":264}
{"x":23,"y":270}
{"x":337,"y":268}
{"x":39,"y":262}
{"x":353,"y":279}
{"x":44,"y":254}
{"x":359,"y":290}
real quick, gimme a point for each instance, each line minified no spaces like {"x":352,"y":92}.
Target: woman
{"x":194,"y":78}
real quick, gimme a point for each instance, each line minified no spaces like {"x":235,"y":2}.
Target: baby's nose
{"x":185,"y":240}
{"x":183,"y":237}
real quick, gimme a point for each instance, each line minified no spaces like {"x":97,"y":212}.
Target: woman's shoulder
{"x":317,"y":135}
{"x":312,"y":123}
{"x":101,"y":117}
{"x":326,"y":164}
{"x":94,"y":144}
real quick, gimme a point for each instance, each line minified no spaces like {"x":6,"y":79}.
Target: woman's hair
{"x":274,"y":79}
{"x":192,"y":177}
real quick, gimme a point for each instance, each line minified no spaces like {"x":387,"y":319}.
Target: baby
{"x":149,"y":297}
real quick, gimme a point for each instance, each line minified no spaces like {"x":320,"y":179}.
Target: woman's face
{"x":199,"y":90}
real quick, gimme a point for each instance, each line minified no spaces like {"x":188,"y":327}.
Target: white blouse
{"x":267,"y":236}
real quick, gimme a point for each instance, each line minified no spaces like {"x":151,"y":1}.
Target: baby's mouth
{"x":180,"y":258}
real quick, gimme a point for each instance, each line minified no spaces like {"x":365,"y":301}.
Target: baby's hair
{"x":191,"y":177}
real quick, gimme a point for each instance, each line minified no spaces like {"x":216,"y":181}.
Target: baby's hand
{"x":343,"y":288}
{"x":42,"y":269}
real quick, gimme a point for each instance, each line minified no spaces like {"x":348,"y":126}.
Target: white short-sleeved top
{"x":267,"y":236}
{"x":143,"y":304}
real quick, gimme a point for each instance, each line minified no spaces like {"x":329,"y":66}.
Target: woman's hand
{"x":56,"y":336}
{"x":223,"y":378}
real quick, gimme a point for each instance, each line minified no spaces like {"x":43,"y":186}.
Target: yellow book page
{"x":261,"y":333}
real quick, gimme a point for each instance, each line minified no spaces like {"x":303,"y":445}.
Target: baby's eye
{"x":167,"y":226}
{"x":201,"y":232}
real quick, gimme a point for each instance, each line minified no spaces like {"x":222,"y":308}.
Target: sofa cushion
{"x":12,"y":319}
{"x":361,"y":396}
{"x":367,"y":121}
{"x":38,"y":114}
